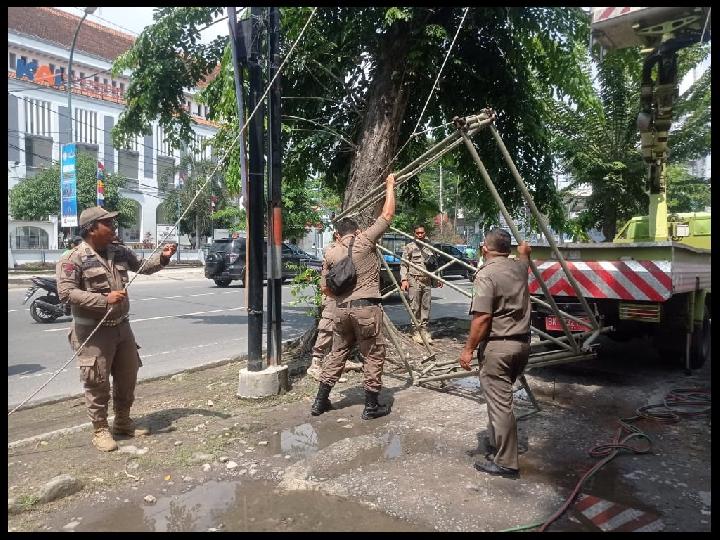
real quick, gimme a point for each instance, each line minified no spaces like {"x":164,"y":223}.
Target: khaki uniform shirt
{"x":85,"y":277}
{"x":501,"y":289}
{"x":417,"y":255}
{"x":327,"y":301}
{"x":364,"y":257}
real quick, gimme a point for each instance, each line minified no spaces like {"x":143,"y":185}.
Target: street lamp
{"x":88,"y":11}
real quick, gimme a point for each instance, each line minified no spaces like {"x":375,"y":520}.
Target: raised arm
{"x":388,"y":211}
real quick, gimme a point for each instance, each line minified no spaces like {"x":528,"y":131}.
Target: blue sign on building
{"x":68,"y":187}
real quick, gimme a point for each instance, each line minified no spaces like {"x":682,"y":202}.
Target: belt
{"x":362,"y":302}
{"x":524,"y":338}
{"x":107,"y":322}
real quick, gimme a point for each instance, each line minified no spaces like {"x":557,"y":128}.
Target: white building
{"x":39,"y":42}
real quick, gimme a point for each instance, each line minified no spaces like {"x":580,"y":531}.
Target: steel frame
{"x":574,"y":347}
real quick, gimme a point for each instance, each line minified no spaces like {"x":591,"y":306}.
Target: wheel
{"x":700,"y":342}
{"x":222,"y":282}
{"x":39,"y":314}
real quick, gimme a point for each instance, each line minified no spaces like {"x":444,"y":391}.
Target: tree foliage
{"x":38,"y":197}
{"x":511,"y":59}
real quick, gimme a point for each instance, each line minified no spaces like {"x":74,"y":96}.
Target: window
{"x":85,"y":128}
{"x":37,"y":117}
{"x":29,"y":237}
{"x":198,"y":110}
{"x":105,"y":82}
{"x":187,"y":105}
{"x":200,"y":147}
{"x":52,"y":68}
{"x":164,"y":148}
{"x":12,"y":61}
{"x":128,"y":167}
{"x":122,"y":88}
{"x":114,"y":84}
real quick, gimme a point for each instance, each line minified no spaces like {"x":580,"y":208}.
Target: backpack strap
{"x":350,"y":247}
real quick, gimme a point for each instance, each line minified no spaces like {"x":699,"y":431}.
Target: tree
{"x":687,"y":192}
{"x":38,"y":197}
{"x":358,"y":81}
{"x":198,"y":221}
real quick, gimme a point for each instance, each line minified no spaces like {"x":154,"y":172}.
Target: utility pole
{"x":274,"y":263}
{"x":255,"y":202}
{"x":442,"y":215}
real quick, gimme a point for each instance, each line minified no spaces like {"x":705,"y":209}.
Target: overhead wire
{"x":182,"y":216}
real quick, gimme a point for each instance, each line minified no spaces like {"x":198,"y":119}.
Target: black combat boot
{"x":372,"y":408}
{"x":322,"y":402}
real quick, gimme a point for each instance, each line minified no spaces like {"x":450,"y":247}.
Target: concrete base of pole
{"x":271,"y":381}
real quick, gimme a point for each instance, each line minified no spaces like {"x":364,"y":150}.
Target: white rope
{"x":219,"y":163}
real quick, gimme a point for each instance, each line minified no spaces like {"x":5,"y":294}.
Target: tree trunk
{"x":387,"y":100}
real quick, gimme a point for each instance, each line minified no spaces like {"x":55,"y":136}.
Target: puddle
{"x":247,"y":505}
{"x":304,"y":440}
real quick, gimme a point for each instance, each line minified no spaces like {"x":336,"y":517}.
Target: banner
{"x":100,"y":184}
{"x":68,"y":187}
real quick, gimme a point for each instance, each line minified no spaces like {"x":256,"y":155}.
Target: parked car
{"x":456,"y":269}
{"x":225,"y":261}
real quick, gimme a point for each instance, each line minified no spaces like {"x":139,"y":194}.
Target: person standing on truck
{"x":359,"y":315}
{"x":418,"y":285}
{"x":500,"y":331}
{"x":93,"y":277}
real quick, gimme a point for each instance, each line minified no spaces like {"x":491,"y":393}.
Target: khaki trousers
{"x":111,"y":351}
{"x":420,"y":293}
{"x":323,"y":341}
{"x":502,"y":362}
{"x":359,"y":325}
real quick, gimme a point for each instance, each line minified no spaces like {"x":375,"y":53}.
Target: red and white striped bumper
{"x":622,"y":280}
{"x":609,"y":516}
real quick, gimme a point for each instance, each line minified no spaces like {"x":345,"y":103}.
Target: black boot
{"x":322,"y":402}
{"x":372,"y":408}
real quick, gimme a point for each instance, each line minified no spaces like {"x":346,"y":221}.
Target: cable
{"x":182,"y":216}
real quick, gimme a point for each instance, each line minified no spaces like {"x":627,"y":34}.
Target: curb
{"x":73,"y":429}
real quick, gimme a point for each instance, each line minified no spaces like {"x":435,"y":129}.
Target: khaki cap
{"x":94,"y":214}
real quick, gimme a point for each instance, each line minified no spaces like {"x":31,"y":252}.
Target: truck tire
{"x":222,"y":282}
{"x":701,"y":342}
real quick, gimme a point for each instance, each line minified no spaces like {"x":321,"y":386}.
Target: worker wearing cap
{"x":93,"y":277}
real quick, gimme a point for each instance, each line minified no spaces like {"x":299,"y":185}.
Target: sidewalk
{"x":22,"y":279}
{"x":215,"y":462}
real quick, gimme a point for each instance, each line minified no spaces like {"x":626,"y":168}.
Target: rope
{"x":678,"y":403}
{"x":175,"y":226}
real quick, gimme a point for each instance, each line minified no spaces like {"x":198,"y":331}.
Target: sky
{"x":132,"y":20}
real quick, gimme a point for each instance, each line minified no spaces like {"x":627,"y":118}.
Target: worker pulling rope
{"x":175,"y":226}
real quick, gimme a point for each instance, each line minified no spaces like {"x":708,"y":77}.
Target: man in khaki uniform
{"x":323,"y":341}
{"x":418,"y":285}
{"x":92,"y":277}
{"x":358,"y":314}
{"x":501,"y":327}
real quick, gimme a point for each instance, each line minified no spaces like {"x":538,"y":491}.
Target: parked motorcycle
{"x":46,"y":308}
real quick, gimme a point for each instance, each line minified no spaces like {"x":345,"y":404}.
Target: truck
{"x":653,"y":279}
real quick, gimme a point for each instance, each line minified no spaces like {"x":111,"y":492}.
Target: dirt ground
{"x":216,"y":462}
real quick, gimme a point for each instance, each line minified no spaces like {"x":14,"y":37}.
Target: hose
{"x":677,"y":404}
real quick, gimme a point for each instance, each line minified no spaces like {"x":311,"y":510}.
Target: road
{"x":179,"y":324}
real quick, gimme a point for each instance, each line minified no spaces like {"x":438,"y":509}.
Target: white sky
{"x":132,"y":20}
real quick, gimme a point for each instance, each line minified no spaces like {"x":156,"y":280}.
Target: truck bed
{"x":642,"y":271}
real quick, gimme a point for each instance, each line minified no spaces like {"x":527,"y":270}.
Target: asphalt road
{"x":179,"y":324}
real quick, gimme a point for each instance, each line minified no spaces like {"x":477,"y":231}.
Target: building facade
{"x":39,"y":122}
